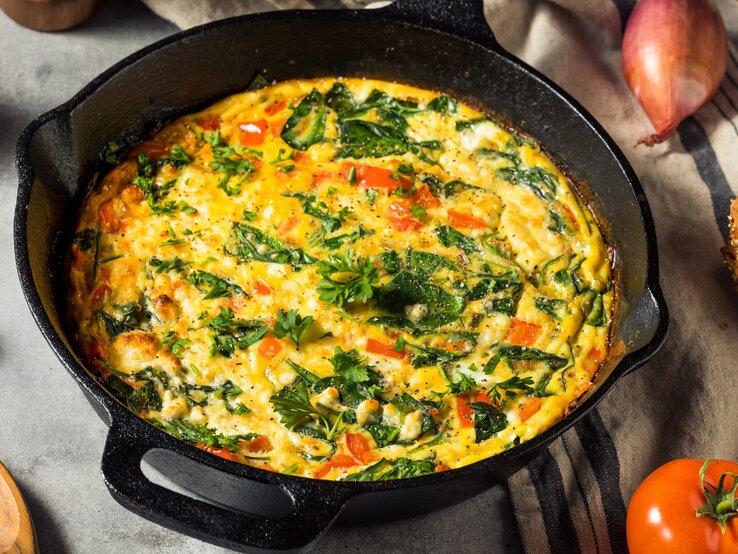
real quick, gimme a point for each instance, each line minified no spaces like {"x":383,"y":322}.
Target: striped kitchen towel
{"x":573,"y":497}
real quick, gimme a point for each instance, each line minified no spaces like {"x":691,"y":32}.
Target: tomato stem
{"x":721,"y":504}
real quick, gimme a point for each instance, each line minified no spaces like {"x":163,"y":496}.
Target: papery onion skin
{"x":675,"y":53}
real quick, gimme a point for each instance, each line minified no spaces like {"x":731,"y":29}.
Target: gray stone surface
{"x":50,"y":439}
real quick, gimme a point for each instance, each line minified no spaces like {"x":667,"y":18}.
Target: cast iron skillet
{"x":436,"y":44}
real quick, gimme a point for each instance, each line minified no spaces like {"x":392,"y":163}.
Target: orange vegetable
{"x":262,"y":288}
{"x":261,"y":444}
{"x":424,"y":198}
{"x":210,"y":122}
{"x":289,"y":225}
{"x":459,"y":220}
{"x":339,"y":461}
{"x":359,"y":447}
{"x":252,"y":132}
{"x":275,"y":107}
{"x":153,"y":150}
{"x":572,"y":215}
{"x":107,"y":218}
{"x":465,"y":412}
{"x":270,"y":347}
{"x":522,"y":333}
{"x":368,"y":176}
{"x":383,"y":349}
{"x":402,"y":218}
{"x":222,"y":452}
{"x":529,"y":408}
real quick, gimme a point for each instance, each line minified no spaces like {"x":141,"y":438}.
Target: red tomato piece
{"x":270,"y":347}
{"x":529,"y":408}
{"x":424,"y":198}
{"x":107,"y":218}
{"x":572,"y":215}
{"x":459,"y":220}
{"x":465,"y":412}
{"x":371,"y":177}
{"x":262,"y":288}
{"x":359,"y":447}
{"x":522,"y":333}
{"x":275,"y":107}
{"x":383,"y":349}
{"x":209,"y":122}
{"x":222,"y":452}
{"x":252,"y":132}
{"x":289,"y":225}
{"x":339,"y":461}
{"x":261,"y":444}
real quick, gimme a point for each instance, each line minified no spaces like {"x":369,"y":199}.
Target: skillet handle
{"x":464,"y":18}
{"x":309,"y":517}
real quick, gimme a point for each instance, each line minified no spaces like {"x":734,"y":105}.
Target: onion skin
{"x":675,"y":53}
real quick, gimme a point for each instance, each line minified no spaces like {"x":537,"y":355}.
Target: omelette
{"x":343,"y":279}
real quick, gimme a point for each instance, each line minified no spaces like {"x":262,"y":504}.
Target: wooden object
{"x":49,"y":15}
{"x":16,"y":527}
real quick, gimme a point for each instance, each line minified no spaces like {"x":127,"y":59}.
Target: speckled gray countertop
{"x":50,"y":439}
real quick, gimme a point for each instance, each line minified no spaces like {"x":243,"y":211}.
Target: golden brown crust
{"x":730,"y":250}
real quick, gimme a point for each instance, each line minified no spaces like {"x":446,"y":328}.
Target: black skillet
{"x":444,"y":45}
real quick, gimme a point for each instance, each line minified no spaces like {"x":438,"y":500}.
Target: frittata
{"x":341,"y":279}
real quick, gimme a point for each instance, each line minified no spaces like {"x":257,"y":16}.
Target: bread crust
{"x":730,"y":250}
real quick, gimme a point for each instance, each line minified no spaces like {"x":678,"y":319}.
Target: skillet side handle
{"x":464,"y":18}
{"x":121,"y":468}
{"x":647,"y":327}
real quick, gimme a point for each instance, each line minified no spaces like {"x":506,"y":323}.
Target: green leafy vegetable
{"x":306,"y":125}
{"x":346,"y":279}
{"x":383,"y":435}
{"x":227,"y":392}
{"x":249,"y":243}
{"x":175,"y":265}
{"x":214,"y":286}
{"x":488,"y":421}
{"x":540,"y":181}
{"x":85,"y":239}
{"x":340,"y":99}
{"x":402,"y":468}
{"x":443,"y":104}
{"x":291,"y":324}
{"x":515,"y":353}
{"x":336,"y":241}
{"x":505,"y":390}
{"x":178,"y":157}
{"x":311,"y":206}
{"x":554,"y":307}
{"x":231,"y":333}
{"x":597,"y":314}
{"x":229,"y":161}
{"x":448,"y":236}
{"x":195,"y":433}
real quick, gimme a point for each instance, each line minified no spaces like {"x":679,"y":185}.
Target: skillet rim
{"x":117,"y":413}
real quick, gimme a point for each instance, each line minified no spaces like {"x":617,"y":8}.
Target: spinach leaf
{"x":540,"y":181}
{"x":175,"y":265}
{"x":191,"y":432}
{"x":85,"y":239}
{"x":597,"y":314}
{"x":364,"y":139}
{"x":504,"y":306}
{"x":488,"y":421}
{"x":336,"y":241}
{"x":138,"y":400}
{"x":515,"y":353}
{"x":214,"y":286}
{"x":408,"y":288}
{"x":383,"y":435}
{"x":443,"y":104}
{"x":340,"y":99}
{"x":130,"y":318}
{"x":230,"y":333}
{"x":249,"y":243}
{"x":227,"y":392}
{"x":464,"y":124}
{"x":449,"y":237}
{"x":306,"y":125}
{"x":554,"y":307}
{"x":401,"y":468}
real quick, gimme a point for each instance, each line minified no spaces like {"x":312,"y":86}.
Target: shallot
{"x":675,"y":53}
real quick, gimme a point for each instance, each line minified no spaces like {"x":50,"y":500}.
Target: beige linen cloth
{"x":573,"y":497}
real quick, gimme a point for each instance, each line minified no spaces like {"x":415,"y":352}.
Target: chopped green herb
{"x":345,"y":279}
{"x":291,"y":324}
{"x":249,"y":243}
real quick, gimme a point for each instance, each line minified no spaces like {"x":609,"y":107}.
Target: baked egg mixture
{"x":341,"y":279}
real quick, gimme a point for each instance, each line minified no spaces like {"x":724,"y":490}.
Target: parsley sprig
{"x":346,"y":279}
{"x":291,"y":324}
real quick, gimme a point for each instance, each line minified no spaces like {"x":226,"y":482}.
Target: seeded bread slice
{"x":730,"y":251}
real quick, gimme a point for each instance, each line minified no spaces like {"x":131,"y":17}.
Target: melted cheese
{"x":182,"y":314}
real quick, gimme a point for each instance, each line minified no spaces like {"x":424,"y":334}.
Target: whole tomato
{"x":662,"y":515}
